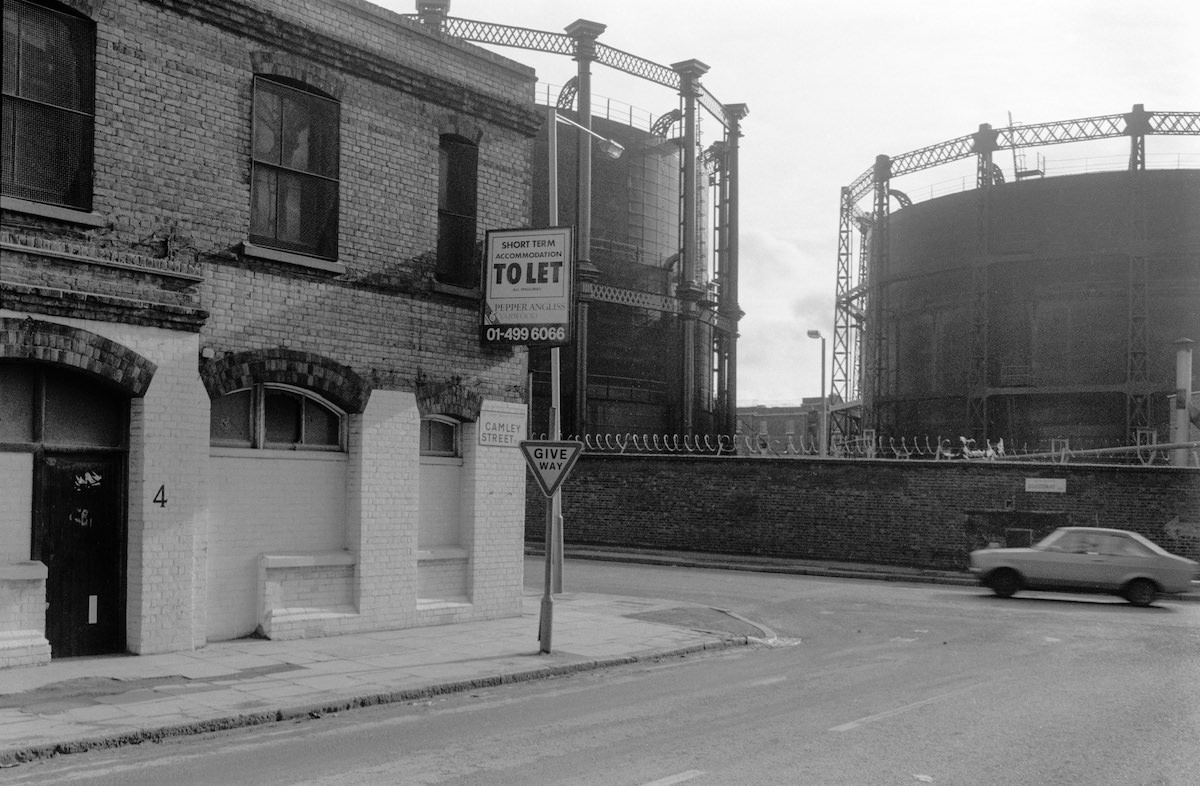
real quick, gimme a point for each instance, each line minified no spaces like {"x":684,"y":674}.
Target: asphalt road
{"x":859,"y":683}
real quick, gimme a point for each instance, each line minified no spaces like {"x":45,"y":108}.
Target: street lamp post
{"x":554,"y":519}
{"x":824,"y":398}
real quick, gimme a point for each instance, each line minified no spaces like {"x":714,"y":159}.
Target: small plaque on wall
{"x":501,"y":429}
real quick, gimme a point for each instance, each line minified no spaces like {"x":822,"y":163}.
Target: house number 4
{"x":161,"y":496}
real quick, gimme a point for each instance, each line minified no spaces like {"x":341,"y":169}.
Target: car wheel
{"x":1140,"y":592}
{"x":1005,"y":582}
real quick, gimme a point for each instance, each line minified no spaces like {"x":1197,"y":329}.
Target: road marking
{"x":677,"y":778}
{"x":770,"y":681}
{"x":774,"y":641}
{"x":854,"y":724}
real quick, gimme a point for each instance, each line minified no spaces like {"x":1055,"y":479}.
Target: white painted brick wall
{"x":385,"y":472}
{"x":16,"y":489}
{"x":168,"y":451}
{"x":499,"y":521}
{"x":269,"y":501}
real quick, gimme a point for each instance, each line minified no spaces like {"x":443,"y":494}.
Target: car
{"x":1087,"y":559}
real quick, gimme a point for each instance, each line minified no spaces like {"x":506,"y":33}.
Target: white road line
{"x":898,"y":710}
{"x":771,"y":681}
{"x":677,"y":778}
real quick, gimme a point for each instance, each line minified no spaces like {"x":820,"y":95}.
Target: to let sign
{"x":527,"y":287}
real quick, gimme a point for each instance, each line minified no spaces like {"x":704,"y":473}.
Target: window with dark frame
{"x":294,"y":183}
{"x":48,"y":105}
{"x":275,"y":417}
{"x":457,"y":254}
{"x":440,"y":437}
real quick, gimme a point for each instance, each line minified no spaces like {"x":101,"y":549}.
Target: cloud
{"x":786,"y":287}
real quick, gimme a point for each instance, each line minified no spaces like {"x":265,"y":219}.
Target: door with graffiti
{"x":79,"y":533}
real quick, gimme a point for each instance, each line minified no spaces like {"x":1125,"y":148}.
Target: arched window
{"x":439,"y":437}
{"x":276,"y":417}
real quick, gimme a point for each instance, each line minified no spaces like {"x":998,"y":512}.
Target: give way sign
{"x":551,"y":461}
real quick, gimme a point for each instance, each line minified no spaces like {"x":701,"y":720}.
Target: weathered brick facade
{"x":158,"y":293}
{"x":928,"y":514}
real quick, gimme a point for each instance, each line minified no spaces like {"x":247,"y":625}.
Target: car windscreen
{"x":1058,"y":540}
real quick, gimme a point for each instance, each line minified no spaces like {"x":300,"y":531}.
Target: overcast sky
{"x":831,"y":85}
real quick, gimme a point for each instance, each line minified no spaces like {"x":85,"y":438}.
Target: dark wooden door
{"x":80,"y":536}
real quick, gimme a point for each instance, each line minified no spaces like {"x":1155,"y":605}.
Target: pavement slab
{"x":78,"y":704}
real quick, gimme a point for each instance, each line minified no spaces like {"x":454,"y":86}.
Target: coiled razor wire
{"x":874,"y":447}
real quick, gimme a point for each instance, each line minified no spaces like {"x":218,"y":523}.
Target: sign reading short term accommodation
{"x":527,"y":287}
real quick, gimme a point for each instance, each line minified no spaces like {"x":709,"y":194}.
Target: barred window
{"x":48,"y":104}
{"x":294,"y":187}
{"x":457,"y":257}
{"x":276,"y":417}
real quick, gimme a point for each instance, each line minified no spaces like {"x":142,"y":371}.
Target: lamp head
{"x":815,"y":334}
{"x":611,"y":148}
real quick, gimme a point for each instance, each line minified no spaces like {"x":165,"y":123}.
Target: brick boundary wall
{"x":920,"y":513}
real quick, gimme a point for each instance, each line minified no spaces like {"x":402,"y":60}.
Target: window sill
{"x":441,"y":604}
{"x":292,"y":258}
{"x":217,"y":451}
{"x":445,"y":461}
{"x":441,"y":554}
{"x":32,"y":570}
{"x":52,"y":211}
{"x":469,"y":293}
{"x":309,"y":559}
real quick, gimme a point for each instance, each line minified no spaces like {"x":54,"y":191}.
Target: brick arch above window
{"x":297,"y":68}
{"x":89,"y":9}
{"x":340,"y":384}
{"x":50,"y":342}
{"x":452,"y":397}
{"x":461,"y":127}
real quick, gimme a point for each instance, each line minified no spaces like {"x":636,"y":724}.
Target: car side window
{"x":1071,"y":543}
{"x":1118,"y":546}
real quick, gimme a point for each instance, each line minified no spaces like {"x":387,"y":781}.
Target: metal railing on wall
{"x":874,"y":447}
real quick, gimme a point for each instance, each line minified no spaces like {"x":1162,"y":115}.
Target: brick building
{"x":783,"y":430}
{"x":241,"y":385}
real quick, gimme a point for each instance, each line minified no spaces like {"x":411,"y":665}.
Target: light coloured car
{"x":1087,"y":559}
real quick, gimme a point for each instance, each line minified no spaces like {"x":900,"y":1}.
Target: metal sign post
{"x":528,"y":294}
{"x":550,"y":461}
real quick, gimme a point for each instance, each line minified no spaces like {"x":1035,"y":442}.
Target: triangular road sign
{"x":550,"y":461}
